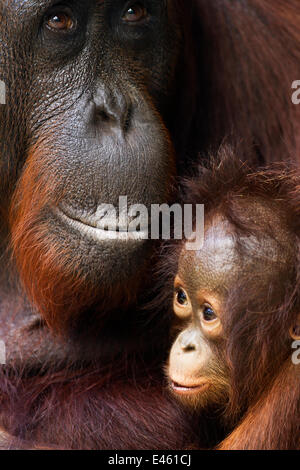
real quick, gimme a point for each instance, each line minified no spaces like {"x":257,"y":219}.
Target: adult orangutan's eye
{"x":60,"y":21}
{"x":135,"y":13}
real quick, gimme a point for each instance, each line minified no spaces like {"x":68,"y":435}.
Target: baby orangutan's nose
{"x":188,"y":341}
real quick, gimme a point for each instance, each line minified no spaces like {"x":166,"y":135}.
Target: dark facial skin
{"x":88,"y":84}
{"x":197,"y":370}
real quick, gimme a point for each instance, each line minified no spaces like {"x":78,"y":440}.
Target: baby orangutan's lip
{"x":184,"y":389}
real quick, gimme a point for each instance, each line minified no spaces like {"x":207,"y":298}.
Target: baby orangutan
{"x":237,"y":305}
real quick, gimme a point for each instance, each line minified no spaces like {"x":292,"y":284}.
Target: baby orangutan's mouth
{"x":184,"y":389}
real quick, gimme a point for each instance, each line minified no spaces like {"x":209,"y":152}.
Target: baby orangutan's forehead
{"x":214,"y":266}
{"x":228,"y":257}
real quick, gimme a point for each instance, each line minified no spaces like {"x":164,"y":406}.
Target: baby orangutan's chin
{"x":195,"y":397}
{"x":201,"y":393}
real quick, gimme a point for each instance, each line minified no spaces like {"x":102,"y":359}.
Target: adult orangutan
{"x":104,"y":99}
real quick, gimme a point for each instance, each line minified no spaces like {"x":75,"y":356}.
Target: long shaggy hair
{"x":240,"y":59}
{"x":265,"y":385}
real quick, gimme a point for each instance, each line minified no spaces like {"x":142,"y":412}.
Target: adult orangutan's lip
{"x":184,"y":389}
{"x":89,"y":227}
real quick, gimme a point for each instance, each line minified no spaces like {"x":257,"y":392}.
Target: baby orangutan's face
{"x":197,"y":370}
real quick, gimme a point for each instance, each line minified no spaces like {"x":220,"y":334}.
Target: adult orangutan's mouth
{"x":101,"y":231}
{"x":184,"y":389}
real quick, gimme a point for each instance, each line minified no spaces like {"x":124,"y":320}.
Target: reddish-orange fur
{"x":51,"y":277}
{"x":273,"y":422}
{"x":264,"y":403}
{"x":240,"y":61}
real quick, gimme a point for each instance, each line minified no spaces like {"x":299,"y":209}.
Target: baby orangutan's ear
{"x":295,"y":329}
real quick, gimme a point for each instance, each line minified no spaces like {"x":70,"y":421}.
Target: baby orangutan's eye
{"x":181,"y":297}
{"x":208,"y":314}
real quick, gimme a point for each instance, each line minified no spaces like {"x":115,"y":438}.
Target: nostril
{"x":113,"y":111}
{"x":127,"y":119}
{"x":103,"y":115}
{"x":189,"y":348}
